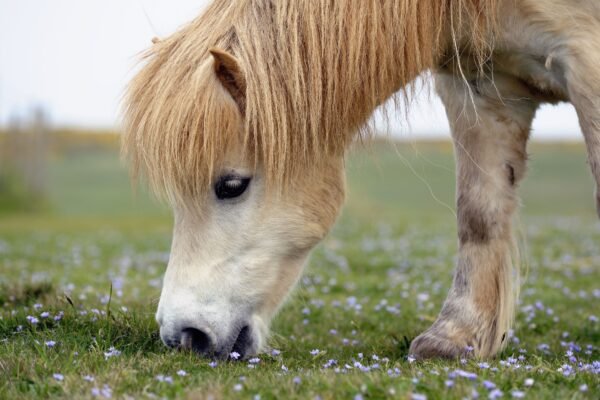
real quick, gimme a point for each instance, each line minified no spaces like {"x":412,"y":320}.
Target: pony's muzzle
{"x":205,"y":343}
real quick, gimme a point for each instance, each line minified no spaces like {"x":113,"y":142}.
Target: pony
{"x":241,"y":119}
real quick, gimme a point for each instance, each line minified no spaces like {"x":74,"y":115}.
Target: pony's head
{"x":243,"y":229}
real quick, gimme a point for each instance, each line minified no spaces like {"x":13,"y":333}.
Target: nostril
{"x":243,"y":342}
{"x":196,"y":340}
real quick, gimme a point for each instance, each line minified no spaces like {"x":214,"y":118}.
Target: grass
{"x":94,"y":265}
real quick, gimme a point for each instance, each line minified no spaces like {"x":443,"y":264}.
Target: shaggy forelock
{"x":315,"y":71}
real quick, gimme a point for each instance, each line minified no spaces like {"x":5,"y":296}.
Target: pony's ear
{"x":231,"y":76}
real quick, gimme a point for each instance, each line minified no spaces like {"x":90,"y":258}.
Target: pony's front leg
{"x":490,"y":126}
{"x":584,"y":93}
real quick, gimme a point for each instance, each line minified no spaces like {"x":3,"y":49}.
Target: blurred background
{"x":63,"y":68}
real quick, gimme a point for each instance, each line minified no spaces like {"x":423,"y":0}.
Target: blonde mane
{"x":315,"y":72}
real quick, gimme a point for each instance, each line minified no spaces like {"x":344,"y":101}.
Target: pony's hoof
{"x":430,"y":345}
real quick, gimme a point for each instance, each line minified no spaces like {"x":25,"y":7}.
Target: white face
{"x":237,"y":253}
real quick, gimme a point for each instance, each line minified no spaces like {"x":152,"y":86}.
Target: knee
{"x":480,"y":221}
{"x":475,"y":223}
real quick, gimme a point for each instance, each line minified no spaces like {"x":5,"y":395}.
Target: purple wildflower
{"x":489,"y":385}
{"x":50,"y":343}
{"x":566,"y":370}
{"x":106,"y":392}
{"x":112,"y":352}
{"x":543,"y":347}
{"x":181,"y":373}
{"x":58,"y":377}
{"x":234,"y":355}
{"x":314,"y":352}
{"x":465,"y":374}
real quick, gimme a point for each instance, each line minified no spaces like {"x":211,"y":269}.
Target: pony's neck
{"x":316,"y":70}
{"x":335,"y":64}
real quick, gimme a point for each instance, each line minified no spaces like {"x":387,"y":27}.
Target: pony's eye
{"x":230,"y":186}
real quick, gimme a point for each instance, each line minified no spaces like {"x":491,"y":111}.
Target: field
{"x":80,"y":281}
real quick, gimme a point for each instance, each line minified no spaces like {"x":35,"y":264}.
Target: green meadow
{"x":80,"y":280}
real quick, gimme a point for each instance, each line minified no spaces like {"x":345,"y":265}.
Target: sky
{"x":73,"y":58}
